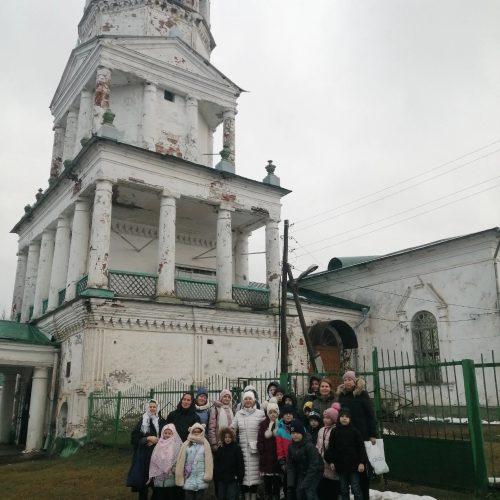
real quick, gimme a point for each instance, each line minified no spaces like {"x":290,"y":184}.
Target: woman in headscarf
{"x":144,"y":439}
{"x":162,"y":465}
{"x":184,"y":416}
{"x":221,"y":417}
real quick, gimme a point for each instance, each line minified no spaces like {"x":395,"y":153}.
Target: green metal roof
{"x":329,"y":300}
{"x":22,"y":332}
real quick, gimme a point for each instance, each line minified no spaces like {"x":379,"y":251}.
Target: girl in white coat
{"x":246,"y":425}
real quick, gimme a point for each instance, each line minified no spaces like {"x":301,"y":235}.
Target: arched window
{"x":426,"y":347}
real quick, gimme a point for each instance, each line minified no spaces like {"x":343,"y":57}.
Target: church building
{"x":133,"y":264}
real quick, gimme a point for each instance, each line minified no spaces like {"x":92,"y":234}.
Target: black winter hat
{"x":288,"y":409}
{"x":345,"y":411}
{"x":315,"y":416}
{"x":296,"y":426}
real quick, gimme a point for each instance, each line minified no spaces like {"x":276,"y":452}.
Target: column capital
{"x":104,"y":183}
{"x":63,"y":221}
{"x":229,"y":113}
{"x":166,"y":193}
{"x":48,"y":234}
{"x":191,"y":100}
{"x":225,"y":206}
{"x":82,"y":204}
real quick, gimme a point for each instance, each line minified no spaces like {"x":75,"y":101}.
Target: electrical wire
{"x":395,"y":215}
{"x":406,"y":219}
{"x":300,"y":221}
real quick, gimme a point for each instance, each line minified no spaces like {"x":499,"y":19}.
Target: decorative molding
{"x":121,"y":227}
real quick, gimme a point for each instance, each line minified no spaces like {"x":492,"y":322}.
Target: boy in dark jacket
{"x":315,"y":424}
{"x":229,"y":467}
{"x":347,"y":455}
{"x":304,"y":465}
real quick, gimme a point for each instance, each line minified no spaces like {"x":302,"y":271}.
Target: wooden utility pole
{"x":283,"y":311}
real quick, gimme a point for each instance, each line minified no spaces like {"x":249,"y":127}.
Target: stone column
{"x":100,"y":236}
{"x":70,"y":136}
{"x":166,"y":248}
{"x":7,"y":406}
{"x":79,"y":247}
{"x":273,"y":271}
{"x":17,"y":300}
{"x":61,"y":258}
{"x":84,"y":127}
{"x":101,"y":96}
{"x":57,"y":151}
{"x":241,"y":259}
{"x":210,"y":160}
{"x":31,"y":276}
{"x":149,"y":121}
{"x":224,"y":257}
{"x":228,"y":138}
{"x":192,"y":136}
{"x":44,"y":271}
{"x":38,"y":402}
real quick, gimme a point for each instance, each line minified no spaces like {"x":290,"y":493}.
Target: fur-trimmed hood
{"x":358,"y":389}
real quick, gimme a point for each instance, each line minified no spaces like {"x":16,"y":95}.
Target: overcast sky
{"x":347,"y":97}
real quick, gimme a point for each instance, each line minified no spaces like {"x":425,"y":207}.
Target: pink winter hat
{"x":333,"y":412}
{"x":350,"y":374}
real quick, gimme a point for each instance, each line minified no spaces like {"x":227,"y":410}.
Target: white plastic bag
{"x":376,"y":456}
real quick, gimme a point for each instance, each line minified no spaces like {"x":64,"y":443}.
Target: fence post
{"x":376,"y":389}
{"x":117,"y":416}
{"x":89,"y":416}
{"x":475,"y":426}
{"x":284,"y":381}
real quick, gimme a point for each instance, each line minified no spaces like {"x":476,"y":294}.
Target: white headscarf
{"x":150,"y":416}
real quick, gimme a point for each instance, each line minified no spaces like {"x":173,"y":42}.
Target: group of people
{"x":315,"y":452}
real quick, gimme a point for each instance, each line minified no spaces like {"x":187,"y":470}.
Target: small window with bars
{"x":426,"y":347}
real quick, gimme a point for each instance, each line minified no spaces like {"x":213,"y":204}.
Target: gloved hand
{"x":282,"y":463}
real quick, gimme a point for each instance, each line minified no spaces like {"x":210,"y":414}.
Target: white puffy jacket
{"x":246,"y":425}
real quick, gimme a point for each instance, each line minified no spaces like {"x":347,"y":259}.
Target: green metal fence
{"x":61,"y":296}
{"x":445,"y":433}
{"x":132,"y":284}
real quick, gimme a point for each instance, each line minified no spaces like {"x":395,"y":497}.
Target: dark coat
{"x":138,"y":474}
{"x":360,"y":405}
{"x":183,"y":420}
{"x":313,"y":432}
{"x":346,"y":449}
{"x":322,"y":403}
{"x":228,"y":464}
{"x":268,"y":458}
{"x":305,"y":466}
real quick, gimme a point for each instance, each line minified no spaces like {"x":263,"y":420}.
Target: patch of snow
{"x":449,"y":420}
{"x":388,"y":432}
{"x":393,"y":495}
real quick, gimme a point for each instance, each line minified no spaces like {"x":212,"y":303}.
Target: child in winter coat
{"x":346,"y":452}
{"x":283,"y":435}
{"x":315,"y":424}
{"x":162,"y":466}
{"x":221,"y":417}
{"x":284,"y":439}
{"x":329,"y":486}
{"x":229,"y":467}
{"x":305,"y":465}
{"x":266,"y":445}
{"x":194,"y":469}
{"x":202,"y":405}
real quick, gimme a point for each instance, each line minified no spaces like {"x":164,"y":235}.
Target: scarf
{"x":181,"y":461}
{"x":165,"y":454}
{"x":203,"y":407}
{"x":224,"y":416}
{"x":147,"y":417}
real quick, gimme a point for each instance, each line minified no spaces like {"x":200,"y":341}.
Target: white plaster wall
{"x":123,"y":257}
{"x":462,"y":273}
{"x":171,"y":120}
{"x":203,"y":142}
{"x":126,"y":103}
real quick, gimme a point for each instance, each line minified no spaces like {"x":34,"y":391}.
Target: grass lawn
{"x":99,"y":473}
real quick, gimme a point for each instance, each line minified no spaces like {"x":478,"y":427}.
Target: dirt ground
{"x":99,"y":474}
